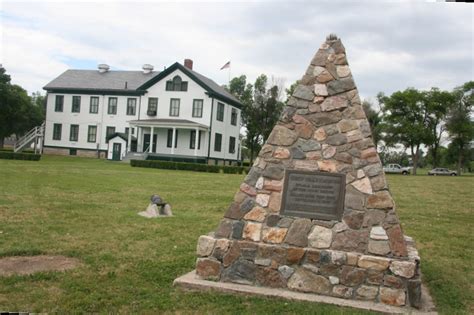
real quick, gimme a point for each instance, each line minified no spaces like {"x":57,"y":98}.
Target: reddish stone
{"x":393,"y":281}
{"x":269,"y":277}
{"x":367,"y":153}
{"x":282,"y":136}
{"x":299,"y":119}
{"x":380,"y":200}
{"x":374,"y":277}
{"x":392,"y":296}
{"x":305,"y":130}
{"x":208,"y":268}
{"x":313,"y":256}
{"x":281,"y":153}
{"x":274,"y":235}
{"x":313,"y":155}
{"x":224,"y":229}
{"x":275,"y":202}
{"x":320,"y":134}
{"x":329,"y":270}
{"x":353,"y":218}
{"x":327,"y":166}
{"x":294,"y":255}
{"x":232,"y":254}
{"x":352,"y":276}
{"x":351,"y":240}
{"x":397,"y":241}
{"x":249,"y":190}
{"x":272,"y":185}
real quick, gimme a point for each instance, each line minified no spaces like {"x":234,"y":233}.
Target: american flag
{"x":227,"y":65}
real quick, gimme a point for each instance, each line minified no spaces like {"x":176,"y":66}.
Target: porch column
{"x":196,"y":142}
{"x":139,"y":139}
{"x":151,"y":139}
{"x":129,"y":140}
{"x":173,"y":140}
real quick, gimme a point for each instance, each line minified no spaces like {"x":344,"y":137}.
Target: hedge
{"x":19,"y":156}
{"x":168,"y":165}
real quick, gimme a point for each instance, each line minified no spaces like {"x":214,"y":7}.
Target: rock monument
{"x":315,"y":214}
{"x":157,"y":208}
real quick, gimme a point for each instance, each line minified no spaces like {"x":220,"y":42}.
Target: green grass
{"x":86,"y":208}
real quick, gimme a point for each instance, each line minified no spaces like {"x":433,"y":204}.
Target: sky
{"x":390,"y":45}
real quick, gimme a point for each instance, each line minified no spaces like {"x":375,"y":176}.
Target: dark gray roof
{"x":94,"y":80}
{"x":158,"y":121}
{"x":214,"y":86}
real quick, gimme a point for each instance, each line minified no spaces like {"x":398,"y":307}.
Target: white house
{"x":176,"y":114}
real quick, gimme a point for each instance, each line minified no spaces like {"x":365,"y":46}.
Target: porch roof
{"x":167,"y":122}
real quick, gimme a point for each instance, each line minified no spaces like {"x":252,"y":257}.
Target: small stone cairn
{"x":363,"y":256}
{"x":157,"y":208}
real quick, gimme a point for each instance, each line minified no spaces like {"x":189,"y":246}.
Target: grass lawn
{"x":86,"y":208}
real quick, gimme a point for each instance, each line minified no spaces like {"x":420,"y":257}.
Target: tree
{"x":437,"y":103}
{"x":17,"y":113}
{"x":289,"y":91}
{"x":459,"y":123}
{"x":375,"y":121}
{"x":261,"y":108}
{"x":406,"y":119}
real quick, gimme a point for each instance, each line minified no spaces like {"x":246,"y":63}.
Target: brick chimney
{"x":188,"y":63}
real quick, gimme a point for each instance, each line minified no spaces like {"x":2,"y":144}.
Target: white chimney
{"x":103,"y":68}
{"x":147,"y":68}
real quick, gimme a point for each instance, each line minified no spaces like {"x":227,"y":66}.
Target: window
{"x":152,"y":106}
{"x":109,"y":131}
{"x":72,"y":151}
{"x":233,"y":117}
{"x":58,"y":107}
{"x":131,"y":106}
{"x":127,"y":129}
{"x":218,"y":142}
{"x":232,"y":145}
{"x":92,"y":134}
{"x":192,"y":139}
{"x":76,"y":104}
{"x":112,"y":109}
{"x":57,"y":129}
{"x":176,"y":84}
{"x":197,"y":108}
{"x":220,"y":112}
{"x":174,"y":107}
{"x":94,"y":107}
{"x":74,"y":133}
{"x":170,"y":138}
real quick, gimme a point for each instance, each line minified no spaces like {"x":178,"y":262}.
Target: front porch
{"x":169,"y":139}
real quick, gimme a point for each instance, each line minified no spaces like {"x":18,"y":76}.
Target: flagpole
{"x":229,"y":72}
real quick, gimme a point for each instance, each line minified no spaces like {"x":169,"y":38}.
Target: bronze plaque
{"x":313,"y":195}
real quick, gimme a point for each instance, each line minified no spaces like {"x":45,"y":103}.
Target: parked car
{"x":442,"y":171}
{"x":396,"y":169}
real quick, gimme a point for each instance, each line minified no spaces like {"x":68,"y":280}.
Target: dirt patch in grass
{"x":25,"y":265}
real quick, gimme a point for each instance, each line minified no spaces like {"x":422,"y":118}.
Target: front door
{"x":146,"y":142}
{"x":116,"y":151}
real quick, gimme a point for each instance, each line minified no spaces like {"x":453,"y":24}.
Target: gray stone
{"x":392,"y":296}
{"x":205,"y":245}
{"x":237,"y":229}
{"x":155,"y":199}
{"x":272,"y":220}
{"x":320,"y":58}
{"x":298,"y":233}
{"x":342,"y":291}
{"x":252,"y":176}
{"x":373,"y":217}
{"x":351,"y":240}
{"x":241,"y":271}
{"x":274,"y":171}
{"x":336,"y":139}
{"x":414,"y":292}
{"x":263,"y":261}
{"x":224,"y":229}
{"x":286,"y":271}
{"x":306,"y":281}
{"x":303,"y":92}
{"x":341,"y":85}
{"x":373,"y":170}
{"x":247,"y":205}
{"x":405,"y":269}
{"x":378,"y":247}
{"x":325,"y":257}
{"x":309,"y":145}
{"x":297,"y":153}
{"x":338,"y":258}
{"x":365,"y":292}
{"x":311,"y":268}
{"x":354,"y":199}
{"x":285,"y":222}
{"x":323,"y":119}
{"x":352,"y":276}
{"x":282,"y":136}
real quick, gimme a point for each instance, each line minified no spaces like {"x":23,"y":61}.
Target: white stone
{"x":340,"y":227}
{"x":262,"y":199}
{"x":338,"y":258}
{"x":286,"y":271}
{"x":259,"y":184}
{"x":320,"y":237}
{"x":318,"y":70}
{"x":320,"y":90}
{"x":205,"y":245}
{"x":333,"y":280}
{"x":151,"y":211}
{"x":311,"y":268}
{"x":404,"y":269}
{"x":378,"y":233}
{"x":263,"y":261}
{"x":363,"y":185}
{"x":360,"y":174}
{"x":343,"y":71}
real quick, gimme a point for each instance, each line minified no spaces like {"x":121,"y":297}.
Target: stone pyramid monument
{"x":315,"y":214}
